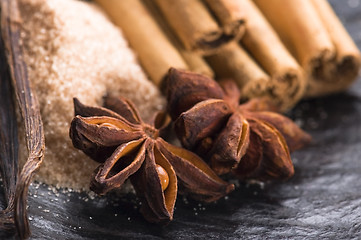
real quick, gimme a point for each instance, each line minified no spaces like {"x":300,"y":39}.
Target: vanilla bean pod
{"x":29,"y":109}
{"x":8,"y":144}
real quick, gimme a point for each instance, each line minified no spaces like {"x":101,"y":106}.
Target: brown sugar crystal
{"x":73,"y":50}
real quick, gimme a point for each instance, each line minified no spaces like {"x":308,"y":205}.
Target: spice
{"x":195,"y":61}
{"x":8,"y":143}
{"x":260,"y":64}
{"x":287,"y":83}
{"x":125,"y":146}
{"x":29,"y":108}
{"x":72,"y":49}
{"x":195,"y":26}
{"x":315,"y":36}
{"x":210,"y":121}
{"x":228,"y":13}
{"x":233,"y":61}
{"x":156,"y":53}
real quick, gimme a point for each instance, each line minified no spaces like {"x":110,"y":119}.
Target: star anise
{"x":127,"y":147}
{"x":247,"y":139}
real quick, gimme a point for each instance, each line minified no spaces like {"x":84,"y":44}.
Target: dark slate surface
{"x":322,"y":200}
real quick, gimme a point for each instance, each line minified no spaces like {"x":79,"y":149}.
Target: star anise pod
{"x":247,"y":139}
{"x":127,"y":147}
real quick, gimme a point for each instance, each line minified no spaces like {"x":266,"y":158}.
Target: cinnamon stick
{"x":229,"y":14}
{"x":232,"y":61}
{"x":347,"y":60}
{"x":155,"y":51}
{"x":313,"y":33}
{"x":195,"y":61}
{"x":195,"y":27}
{"x":304,"y":34}
{"x":287,"y":82}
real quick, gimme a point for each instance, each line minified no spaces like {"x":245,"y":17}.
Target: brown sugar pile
{"x":73,"y":50}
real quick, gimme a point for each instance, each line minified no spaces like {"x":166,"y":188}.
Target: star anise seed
{"x":218,"y":128}
{"x":127,"y":147}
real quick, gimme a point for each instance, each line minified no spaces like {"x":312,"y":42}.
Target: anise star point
{"x":246,"y":139}
{"x":127,"y":147}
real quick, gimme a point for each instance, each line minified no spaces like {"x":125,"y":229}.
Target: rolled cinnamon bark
{"x":195,"y":61}
{"x":287,"y":83}
{"x":229,"y":14}
{"x":194,"y":25}
{"x":302,"y":31}
{"x":347,"y":59}
{"x":155,"y":51}
{"x":232,"y":61}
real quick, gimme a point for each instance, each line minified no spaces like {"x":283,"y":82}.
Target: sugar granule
{"x":73,"y":50}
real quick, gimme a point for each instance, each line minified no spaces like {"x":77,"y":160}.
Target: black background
{"x":322,"y":200}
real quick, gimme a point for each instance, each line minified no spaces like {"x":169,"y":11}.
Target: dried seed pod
{"x":29,"y":108}
{"x":218,"y":128}
{"x":230,"y":145}
{"x":134,"y":149}
{"x":181,"y":93}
